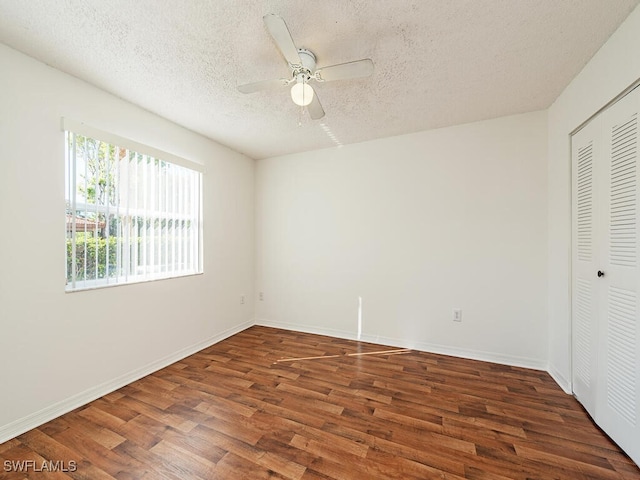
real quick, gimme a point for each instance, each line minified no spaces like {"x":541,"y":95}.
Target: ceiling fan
{"x":302,"y":63}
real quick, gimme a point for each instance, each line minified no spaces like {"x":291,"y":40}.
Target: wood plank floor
{"x":237,"y":411}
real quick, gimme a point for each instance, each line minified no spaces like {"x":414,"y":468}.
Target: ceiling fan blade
{"x":344,"y":71}
{"x":263,"y":85}
{"x":316,"y":112}
{"x":280,"y":33}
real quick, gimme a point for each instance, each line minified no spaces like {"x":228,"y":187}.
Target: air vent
{"x":585,"y":202}
{"x":583,"y":331}
{"x":622,"y":238}
{"x":621,"y":353}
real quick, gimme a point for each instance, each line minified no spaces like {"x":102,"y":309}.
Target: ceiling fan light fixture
{"x":301,"y":92}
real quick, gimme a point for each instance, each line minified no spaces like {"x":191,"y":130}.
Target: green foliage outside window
{"x":94,"y":248}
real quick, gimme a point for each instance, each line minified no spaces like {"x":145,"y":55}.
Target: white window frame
{"x":125,"y":213}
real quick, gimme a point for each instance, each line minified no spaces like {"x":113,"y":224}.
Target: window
{"x":130,"y":216}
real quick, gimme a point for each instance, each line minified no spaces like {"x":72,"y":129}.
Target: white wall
{"x":416,"y":225}
{"x":59,"y":350}
{"x":610,"y":71}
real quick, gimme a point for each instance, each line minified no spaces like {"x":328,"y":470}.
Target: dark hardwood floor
{"x":246,"y":409}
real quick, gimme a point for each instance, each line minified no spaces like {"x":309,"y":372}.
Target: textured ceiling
{"x":437,"y":63}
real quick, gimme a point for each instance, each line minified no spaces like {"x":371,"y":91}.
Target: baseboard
{"x":308,"y":329}
{"x":18,"y":427}
{"x":562,"y":382}
{"x":510,"y":360}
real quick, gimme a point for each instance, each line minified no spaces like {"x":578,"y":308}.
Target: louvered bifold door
{"x":618,"y":400}
{"x":586,"y":146}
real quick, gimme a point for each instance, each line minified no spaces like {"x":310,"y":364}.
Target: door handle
{"x":600,"y":273}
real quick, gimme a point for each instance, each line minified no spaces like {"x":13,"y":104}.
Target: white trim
{"x":22,"y":425}
{"x":618,"y":97}
{"x":562,"y":382}
{"x":510,"y":360}
{"x":88,"y":285}
{"x":107,"y":137}
{"x":556,"y":375}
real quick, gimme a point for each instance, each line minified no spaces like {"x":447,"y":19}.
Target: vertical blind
{"x":130,"y":216}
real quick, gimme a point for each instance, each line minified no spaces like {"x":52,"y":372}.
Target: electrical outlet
{"x":261,"y":296}
{"x":242,"y":299}
{"x":457,"y":315}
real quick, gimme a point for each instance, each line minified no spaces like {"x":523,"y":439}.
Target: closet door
{"x":586,"y":149}
{"x":618,"y":397}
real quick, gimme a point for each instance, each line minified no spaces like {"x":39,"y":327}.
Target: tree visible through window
{"x":129,"y":216}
